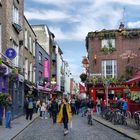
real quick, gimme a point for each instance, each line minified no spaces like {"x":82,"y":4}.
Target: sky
{"x":71,"y":20}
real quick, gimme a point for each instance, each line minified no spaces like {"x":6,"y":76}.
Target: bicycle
{"x":137,"y":119}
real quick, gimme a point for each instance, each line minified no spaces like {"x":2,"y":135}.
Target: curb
{"x":24,"y":128}
{"x":119,"y":130}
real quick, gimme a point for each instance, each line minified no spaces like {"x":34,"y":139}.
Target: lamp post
{"x":85,"y":63}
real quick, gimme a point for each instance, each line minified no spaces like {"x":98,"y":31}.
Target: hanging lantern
{"x":85,"y":62}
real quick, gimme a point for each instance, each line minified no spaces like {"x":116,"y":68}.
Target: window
{"x":40,"y":77}
{"x":34,"y":74}
{"x":30,"y":44}
{"x":31,"y":72}
{"x":109,"y":68}
{"x":34,"y":48}
{"x":15,"y":15}
{"x":16,"y":59}
{"x":26,"y":69}
{"x":40,"y":57}
{"x":26,"y":38}
{"x":108,"y":43}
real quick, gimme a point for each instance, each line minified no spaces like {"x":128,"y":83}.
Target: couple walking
{"x":64,"y":115}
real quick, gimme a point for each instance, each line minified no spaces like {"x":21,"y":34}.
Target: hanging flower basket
{"x":2,"y":69}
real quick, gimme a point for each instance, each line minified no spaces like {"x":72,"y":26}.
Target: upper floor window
{"x":33,"y":48}
{"x":26,"y":69}
{"x":30,"y":44}
{"x":16,"y":59}
{"x":109,"y":68}
{"x":15,"y":15}
{"x":106,"y":43}
{"x":40,"y":57}
{"x":26,"y":38}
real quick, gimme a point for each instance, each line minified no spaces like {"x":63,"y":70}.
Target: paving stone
{"x":46,"y":130}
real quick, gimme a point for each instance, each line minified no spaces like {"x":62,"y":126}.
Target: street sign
{"x":10,"y":53}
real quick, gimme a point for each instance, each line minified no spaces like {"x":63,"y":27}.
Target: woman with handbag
{"x":64,"y":115}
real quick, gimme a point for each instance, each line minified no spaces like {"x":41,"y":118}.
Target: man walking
{"x":54,"y":109}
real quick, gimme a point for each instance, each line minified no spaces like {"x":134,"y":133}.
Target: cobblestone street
{"x":45,"y":130}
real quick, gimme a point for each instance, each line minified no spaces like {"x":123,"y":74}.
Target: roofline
{"x":29,"y":25}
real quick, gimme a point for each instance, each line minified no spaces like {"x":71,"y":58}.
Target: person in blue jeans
{"x":8,"y":112}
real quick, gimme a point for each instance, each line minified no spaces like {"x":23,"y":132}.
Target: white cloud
{"x":134,"y":24}
{"x":52,"y":15}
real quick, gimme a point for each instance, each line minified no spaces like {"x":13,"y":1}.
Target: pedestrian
{"x":38,"y":106}
{"x":98,"y":106}
{"x":44,"y":110}
{"x":64,"y":115}
{"x":125,"y":107}
{"x":30,"y":109}
{"x":8,"y":112}
{"x":54,"y":109}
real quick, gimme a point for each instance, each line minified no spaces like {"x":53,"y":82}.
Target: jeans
{"x":82,"y":111}
{"x":29,"y":113}
{"x":98,"y":108}
{"x":8,"y":119}
{"x":65,"y":121}
{"x":54,"y":115}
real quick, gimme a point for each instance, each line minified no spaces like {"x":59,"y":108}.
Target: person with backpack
{"x":54,"y":109}
{"x":30,"y":107}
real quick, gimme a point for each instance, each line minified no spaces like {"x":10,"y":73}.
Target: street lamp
{"x":85,"y":62}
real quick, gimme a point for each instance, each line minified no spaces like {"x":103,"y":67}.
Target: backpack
{"x":30,"y":105}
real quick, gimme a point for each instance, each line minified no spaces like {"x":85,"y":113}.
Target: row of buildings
{"x":31,"y":61}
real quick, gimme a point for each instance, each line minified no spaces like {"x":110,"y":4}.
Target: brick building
{"x":114,"y":53}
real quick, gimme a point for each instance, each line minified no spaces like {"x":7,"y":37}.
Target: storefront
{"x":16,"y":89}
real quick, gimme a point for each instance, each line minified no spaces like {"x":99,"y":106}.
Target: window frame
{"x":15,"y":14}
{"x":40,"y":56}
{"x":104,"y":43}
{"x":112,"y":72}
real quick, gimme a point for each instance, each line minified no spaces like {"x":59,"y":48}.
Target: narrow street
{"x":45,"y":130}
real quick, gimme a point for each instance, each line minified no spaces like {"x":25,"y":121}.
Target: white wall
{"x":67,"y":78}
{"x":59,"y":64}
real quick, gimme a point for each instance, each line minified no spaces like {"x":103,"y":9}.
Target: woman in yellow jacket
{"x":64,"y":115}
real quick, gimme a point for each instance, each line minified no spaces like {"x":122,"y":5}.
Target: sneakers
{"x":66,"y":132}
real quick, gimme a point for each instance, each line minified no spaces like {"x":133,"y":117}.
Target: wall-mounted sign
{"x":10,"y":53}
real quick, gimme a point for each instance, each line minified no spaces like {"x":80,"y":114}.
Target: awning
{"x":43,"y":89}
{"x":29,"y":86}
{"x":134,"y":79}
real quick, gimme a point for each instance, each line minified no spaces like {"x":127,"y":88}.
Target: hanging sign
{"x":10,"y":53}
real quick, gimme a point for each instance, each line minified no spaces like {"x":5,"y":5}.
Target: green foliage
{"x":108,"y":49}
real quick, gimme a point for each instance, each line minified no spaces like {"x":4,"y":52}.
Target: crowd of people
{"x":61,"y":110}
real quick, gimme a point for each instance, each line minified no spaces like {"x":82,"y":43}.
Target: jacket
{"x":60,"y":114}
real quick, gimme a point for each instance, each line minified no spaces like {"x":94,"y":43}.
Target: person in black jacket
{"x":54,"y":109}
{"x":90,"y":104}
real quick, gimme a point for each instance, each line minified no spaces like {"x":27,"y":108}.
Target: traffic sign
{"x":10,"y":53}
